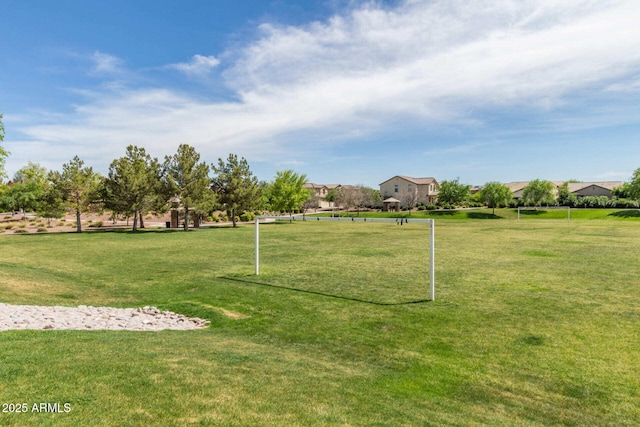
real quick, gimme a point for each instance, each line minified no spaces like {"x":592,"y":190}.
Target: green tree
{"x":237,"y":189}
{"x":27,"y":190}
{"x":634,"y":186}
{"x":621,"y":192}
{"x":453,"y":193}
{"x":495,"y":195}
{"x":566,"y":197}
{"x":52,"y":202}
{"x":79,"y":186}
{"x":188,"y":180}
{"x":538,"y":192}
{"x":3,"y":153}
{"x":287,"y":192}
{"x":133,"y":185}
{"x":332,"y":195}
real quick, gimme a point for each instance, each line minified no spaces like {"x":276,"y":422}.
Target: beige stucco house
{"x":410,"y":191}
{"x":320,"y":191}
{"x":603,"y":188}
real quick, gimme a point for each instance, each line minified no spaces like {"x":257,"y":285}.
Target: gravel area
{"x":86,"y":318}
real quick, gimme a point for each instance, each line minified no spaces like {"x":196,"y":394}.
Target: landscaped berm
{"x":536,"y":322}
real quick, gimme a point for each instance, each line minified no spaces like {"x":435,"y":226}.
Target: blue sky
{"x":350,"y":92}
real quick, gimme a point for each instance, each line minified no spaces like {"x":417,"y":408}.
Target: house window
{"x":409,"y":188}
{"x":395,"y":188}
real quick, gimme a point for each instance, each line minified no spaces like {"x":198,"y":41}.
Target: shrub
{"x":430,"y":206}
{"x":247,"y":216}
{"x":95,"y":224}
{"x":41,"y":230}
{"x":20,"y":231}
{"x":23,"y":225}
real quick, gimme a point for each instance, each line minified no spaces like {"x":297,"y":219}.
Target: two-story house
{"x":410,"y":191}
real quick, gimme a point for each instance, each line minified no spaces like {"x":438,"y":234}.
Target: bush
{"x":41,"y":230}
{"x":431,"y":206}
{"x":20,"y":231}
{"x":95,"y":224}
{"x":247,"y":216}
{"x":224,"y":218}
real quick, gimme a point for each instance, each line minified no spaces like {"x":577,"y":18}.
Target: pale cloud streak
{"x":199,"y":65}
{"x":105,"y":63}
{"x":424,"y":61}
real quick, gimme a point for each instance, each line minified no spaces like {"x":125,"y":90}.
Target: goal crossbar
{"x":400,"y":221}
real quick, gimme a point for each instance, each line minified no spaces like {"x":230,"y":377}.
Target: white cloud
{"x":198,"y":66}
{"x":105,"y":63}
{"x":423,"y":61}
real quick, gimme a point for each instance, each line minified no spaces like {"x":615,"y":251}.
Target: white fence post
{"x":432,"y":279}
{"x":257,"y":245}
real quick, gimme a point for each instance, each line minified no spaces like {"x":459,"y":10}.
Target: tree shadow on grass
{"x":531,"y":212}
{"x":631,"y":213}
{"x":442,"y":213}
{"x":306,"y":291}
{"x":482,"y":215}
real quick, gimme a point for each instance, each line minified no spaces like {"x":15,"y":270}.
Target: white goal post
{"x":400,"y":221}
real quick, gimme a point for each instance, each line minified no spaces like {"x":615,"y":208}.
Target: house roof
{"x":327,"y":186}
{"x":417,"y":181}
{"x":608,"y":185}
{"x":573,"y":186}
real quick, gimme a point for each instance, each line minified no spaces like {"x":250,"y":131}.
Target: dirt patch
{"x":29,"y":224}
{"x":230,"y":314}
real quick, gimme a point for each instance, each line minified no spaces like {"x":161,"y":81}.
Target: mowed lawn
{"x":535,"y":322}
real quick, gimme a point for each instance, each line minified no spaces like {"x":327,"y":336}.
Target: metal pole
{"x":257,"y":246}
{"x":432,"y":278}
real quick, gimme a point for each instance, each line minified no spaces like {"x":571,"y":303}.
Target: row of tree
{"x":137,"y":184}
{"x":537,"y":193}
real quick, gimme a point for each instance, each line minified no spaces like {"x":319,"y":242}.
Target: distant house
{"x":593,"y":188}
{"x":580,"y":189}
{"x":410,"y":191}
{"x":320,"y":192}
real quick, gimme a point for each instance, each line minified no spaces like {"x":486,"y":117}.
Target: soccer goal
{"x":429,"y":235}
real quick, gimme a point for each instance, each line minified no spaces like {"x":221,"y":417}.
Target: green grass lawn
{"x":536,"y":322}
{"x":505,"y":213}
